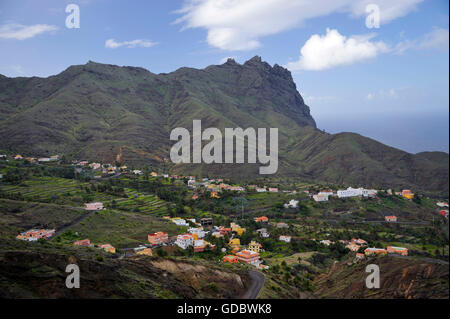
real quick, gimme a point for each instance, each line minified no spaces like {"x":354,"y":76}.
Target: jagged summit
{"x":231,"y":61}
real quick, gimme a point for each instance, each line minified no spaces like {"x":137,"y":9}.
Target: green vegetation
{"x":125,"y":114}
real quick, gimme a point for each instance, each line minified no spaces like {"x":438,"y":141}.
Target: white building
{"x":137,"y":172}
{"x":216,"y":234}
{"x":184,"y":241}
{"x":350,"y":192}
{"x":285,"y":238}
{"x":369,"y":192}
{"x":327,"y":192}
{"x":263,"y":233}
{"x":191,"y":183}
{"x":321,"y":197}
{"x":180,"y":222}
{"x":95,"y":166}
{"x":199,"y":243}
{"x":199,"y":231}
{"x":326,"y":242}
{"x":292,"y":204}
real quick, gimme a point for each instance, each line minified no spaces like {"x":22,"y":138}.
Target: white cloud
{"x":437,"y":39}
{"x":334,"y":49}
{"x":23,"y":32}
{"x":388,"y":94}
{"x":389,"y":9}
{"x":239,"y":24}
{"x":113,"y":44}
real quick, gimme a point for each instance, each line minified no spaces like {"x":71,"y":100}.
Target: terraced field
{"x":68,"y":192}
{"x":145,"y":203}
{"x":43,"y":189}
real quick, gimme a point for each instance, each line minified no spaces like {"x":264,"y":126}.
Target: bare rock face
{"x":199,"y":276}
{"x":399,"y":279}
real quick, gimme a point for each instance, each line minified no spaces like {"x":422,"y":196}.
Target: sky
{"x":379,"y":68}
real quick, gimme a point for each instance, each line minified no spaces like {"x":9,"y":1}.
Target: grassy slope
{"x":104,"y":112}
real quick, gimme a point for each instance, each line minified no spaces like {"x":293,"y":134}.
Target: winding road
{"x":258,"y":280}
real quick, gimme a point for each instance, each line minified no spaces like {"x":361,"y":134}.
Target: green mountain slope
{"x":105,"y":112}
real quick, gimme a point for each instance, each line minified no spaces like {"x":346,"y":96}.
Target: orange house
{"x":158,"y":238}
{"x":375,"y":251}
{"x":224,"y":230}
{"x":230,"y":259}
{"x":390,"y":218}
{"x":262,"y":219}
{"x":248,"y":257}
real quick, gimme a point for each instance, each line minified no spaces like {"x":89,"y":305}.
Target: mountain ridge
{"x":106,"y":112}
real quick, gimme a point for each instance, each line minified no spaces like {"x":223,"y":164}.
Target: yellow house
{"x":235,"y":242}
{"x":154,"y":174}
{"x":214,"y":195}
{"x":254,"y":246}
{"x":407,"y":194}
{"x":236,"y":228}
{"x":108,"y":248}
{"x":145,"y":251}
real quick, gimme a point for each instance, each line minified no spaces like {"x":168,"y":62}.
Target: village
{"x":197,"y":236}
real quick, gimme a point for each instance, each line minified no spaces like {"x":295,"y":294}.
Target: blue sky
{"x":389,"y":83}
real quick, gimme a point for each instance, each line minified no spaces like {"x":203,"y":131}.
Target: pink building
{"x":397,"y":250}
{"x":83,"y":242}
{"x":93,"y":206}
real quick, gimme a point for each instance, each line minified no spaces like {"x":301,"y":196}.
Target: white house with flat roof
{"x":350,"y":192}
{"x":184,"y":241}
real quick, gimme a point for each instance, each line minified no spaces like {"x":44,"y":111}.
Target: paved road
{"x":258,"y":280}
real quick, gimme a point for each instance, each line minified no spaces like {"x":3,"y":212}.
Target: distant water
{"x":413,"y":133}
